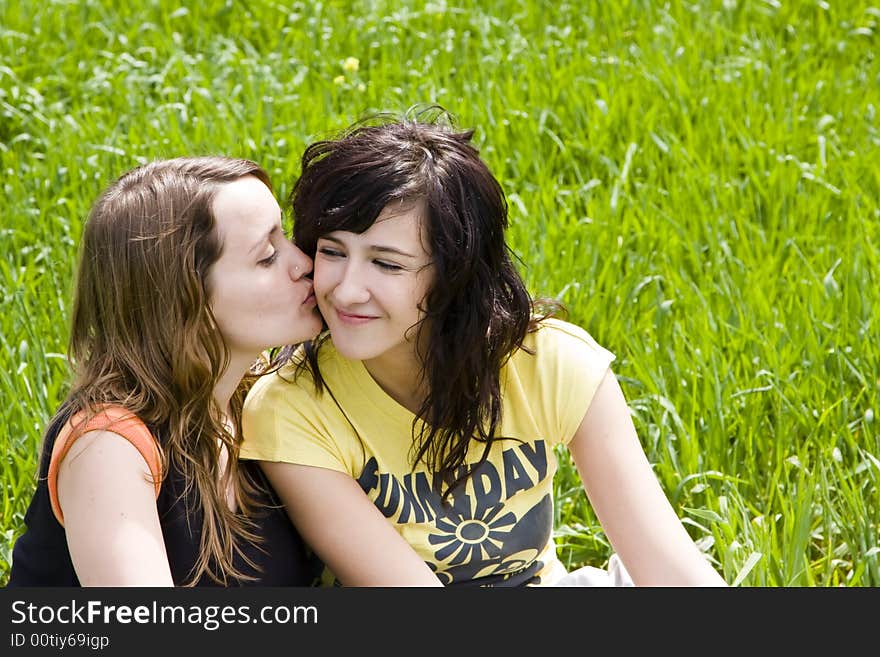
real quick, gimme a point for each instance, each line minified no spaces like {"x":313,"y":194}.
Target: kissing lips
{"x":309,"y":299}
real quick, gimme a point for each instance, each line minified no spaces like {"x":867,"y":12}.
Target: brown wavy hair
{"x":478,"y":310}
{"x":143,"y":335}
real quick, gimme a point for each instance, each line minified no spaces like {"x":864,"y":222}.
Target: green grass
{"x":698,"y":183}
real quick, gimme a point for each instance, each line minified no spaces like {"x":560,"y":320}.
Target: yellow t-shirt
{"x":498,"y":529}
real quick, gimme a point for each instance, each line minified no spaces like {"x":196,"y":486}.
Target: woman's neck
{"x":229,"y":381}
{"x":400,"y":378}
{"x":223,"y":391}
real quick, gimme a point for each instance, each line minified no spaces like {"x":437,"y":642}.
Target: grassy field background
{"x":698,"y":182}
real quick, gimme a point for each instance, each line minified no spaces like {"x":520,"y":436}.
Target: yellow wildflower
{"x":351,"y":64}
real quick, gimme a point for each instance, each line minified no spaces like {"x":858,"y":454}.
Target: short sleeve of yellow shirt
{"x":285,"y":420}
{"x":557,"y":384}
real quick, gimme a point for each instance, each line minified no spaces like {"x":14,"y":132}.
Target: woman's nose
{"x":300,"y":264}
{"x":351,"y":288}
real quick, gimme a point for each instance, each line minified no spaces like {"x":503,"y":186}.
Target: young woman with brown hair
{"x":185,"y":277}
{"x":415,"y":442}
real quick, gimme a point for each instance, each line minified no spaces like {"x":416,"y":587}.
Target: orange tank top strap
{"x":111,"y":418}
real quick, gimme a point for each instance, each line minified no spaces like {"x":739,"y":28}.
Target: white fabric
{"x":615,"y":575}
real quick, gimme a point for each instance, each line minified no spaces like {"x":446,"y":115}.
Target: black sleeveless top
{"x":41,"y":558}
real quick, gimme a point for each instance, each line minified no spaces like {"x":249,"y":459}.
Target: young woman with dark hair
{"x":413,"y":443}
{"x":185,"y":277}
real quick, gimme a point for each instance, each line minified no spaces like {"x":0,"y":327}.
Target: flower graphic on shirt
{"x":471,"y":535}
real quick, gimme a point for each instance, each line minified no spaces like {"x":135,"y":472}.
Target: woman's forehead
{"x":397,"y":227}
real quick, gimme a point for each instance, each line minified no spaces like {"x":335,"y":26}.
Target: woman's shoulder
{"x":560,"y":337}
{"x":274,"y":387}
{"x":561,"y":351}
{"x":293,"y":384}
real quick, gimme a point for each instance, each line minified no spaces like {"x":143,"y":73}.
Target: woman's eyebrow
{"x":263,"y":239}
{"x":372,"y":247}
{"x":391,"y":249}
